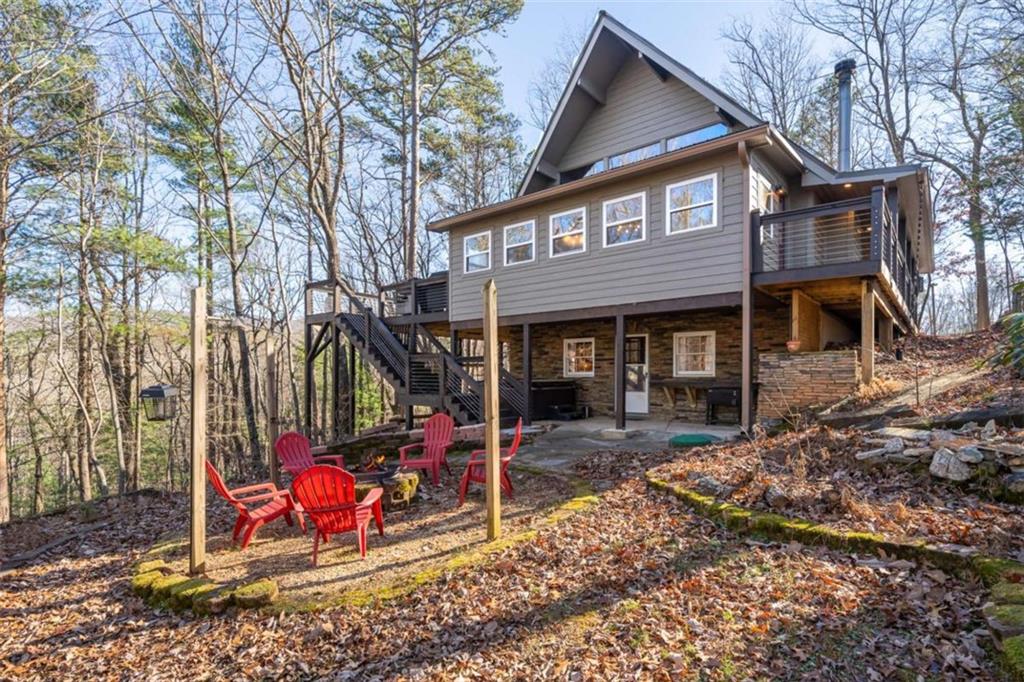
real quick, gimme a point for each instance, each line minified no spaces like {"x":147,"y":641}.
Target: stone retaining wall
{"x":793,"y":381}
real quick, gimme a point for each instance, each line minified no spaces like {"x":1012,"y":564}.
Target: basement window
{"x":578,"y":357}
{"x":693,"y":354}
{"x":477,"y":252}
{"x":624,"y":219}
{"x":568,"y":232}
{"x":519,"y":243}
{"x":692,"y":204}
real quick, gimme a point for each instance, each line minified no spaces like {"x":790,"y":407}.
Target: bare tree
{"x":550,"y":81}
{"x":309,"y":41}
{"x":772,"y":72}
{"x":884,"y":37}
{"x":958,"y":76}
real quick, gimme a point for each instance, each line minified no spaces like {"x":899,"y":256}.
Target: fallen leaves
{"x":635,"y":588}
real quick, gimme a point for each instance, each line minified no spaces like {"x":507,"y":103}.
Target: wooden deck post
{"x":492,"y":408}
{"x":353,"y":387}
{"x":885,"y":332}
{"x":867,"y":331}
{"x":273,"y":416}
{"x":197,"y":501}
{"x":620,"y":372}
{"x":527,"y":372}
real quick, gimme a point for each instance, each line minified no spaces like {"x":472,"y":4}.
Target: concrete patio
{"x":567,"y":442}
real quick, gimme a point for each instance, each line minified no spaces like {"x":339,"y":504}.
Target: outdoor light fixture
{"x":160,"y":402}
{"x":847,"y":185}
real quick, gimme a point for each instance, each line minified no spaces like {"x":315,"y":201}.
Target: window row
{"x":689,"y":205}
{"x":693,"y":355}
{"x":648,"y":151}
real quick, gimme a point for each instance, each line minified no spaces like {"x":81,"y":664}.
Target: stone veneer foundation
{"x":793,"y":381}
{"x":771,"y":330}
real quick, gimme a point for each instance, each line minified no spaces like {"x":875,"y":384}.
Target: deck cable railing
{"x":860,"y":230}
{"x":824,"y":235}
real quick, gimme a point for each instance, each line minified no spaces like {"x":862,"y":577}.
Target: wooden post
{"x":197,"y":517}
{"x":273,"y":416}
{"x":751,"y":249}
{"x":492,"y":409}
{"x":409,"y":421}
{"x":867,"y":331}
{"x":353,"y":388}
{"x":885,"y":332}
{"x":528,"y":373}
{"x":620,"y":372}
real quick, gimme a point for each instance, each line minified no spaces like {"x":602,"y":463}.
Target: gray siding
{"x":659,"y":267}
{"x":639,"y":109}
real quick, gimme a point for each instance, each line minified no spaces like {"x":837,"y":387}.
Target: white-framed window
{"x":691,"y":204}
{"x":568,"y":232}
{"x":519,"y":241}
{"x":624,"y":219}
{"x":693,"y":354}
{"x":578,"y":357}
{"x":476,"y":252}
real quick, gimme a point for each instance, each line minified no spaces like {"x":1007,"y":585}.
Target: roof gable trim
{"x":662,"y":64}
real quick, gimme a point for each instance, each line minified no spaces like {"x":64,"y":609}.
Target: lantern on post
{"x":160,"y":402}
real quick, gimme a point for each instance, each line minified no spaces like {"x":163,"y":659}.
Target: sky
{"x":688,"y":30}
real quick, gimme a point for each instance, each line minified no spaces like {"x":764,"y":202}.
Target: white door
{"x":637,"y":376}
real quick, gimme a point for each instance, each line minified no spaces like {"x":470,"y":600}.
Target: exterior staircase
{"x":428,"y":375}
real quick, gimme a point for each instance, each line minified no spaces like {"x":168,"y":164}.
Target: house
{"x":664,"y":246}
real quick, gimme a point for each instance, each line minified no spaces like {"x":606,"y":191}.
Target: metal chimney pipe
{"x":844,"y":72}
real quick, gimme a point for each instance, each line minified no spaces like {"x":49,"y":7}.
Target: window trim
{"x":676,"y":372}
{"x":714,"y":204}
{"x":565,"y":357}
{"x":643,"y":219}
{"x":466,"y":254}
{"x":533,"y":242}
{"x":551,"y":232}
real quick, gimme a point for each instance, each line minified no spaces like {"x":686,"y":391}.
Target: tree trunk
{"x":5,"y":492}
{"x":83,"y":426}
{"x":977,"y":234}
{"x":414,"y":189}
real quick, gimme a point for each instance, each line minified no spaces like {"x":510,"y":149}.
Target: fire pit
{"x":399,"y":486}
{"x":378,"y":476}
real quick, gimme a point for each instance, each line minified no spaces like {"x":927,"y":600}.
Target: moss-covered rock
{"x":152,"y":565}
{"x":1013,"y":658}
{"x":182,"y":594}
{"x":142,"y":583}
{"x":160,"y":588}
{"x":993,"y":570}
{"x":256,"y":594}
{"x":1005,"y":620}
{"x":1008,"y":593}
{"x":213,"y":601}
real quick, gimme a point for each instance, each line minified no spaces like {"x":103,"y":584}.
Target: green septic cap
{"x":686,"y":440}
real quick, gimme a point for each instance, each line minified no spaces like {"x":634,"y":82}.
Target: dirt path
{"x":931,"y":387}
{"x":636,"y":588}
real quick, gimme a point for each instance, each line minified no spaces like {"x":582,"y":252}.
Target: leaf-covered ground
{"x":818,"y":472}
{"x":634,"y":588}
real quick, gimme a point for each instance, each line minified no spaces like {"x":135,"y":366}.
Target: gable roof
{"x":598,"y":63}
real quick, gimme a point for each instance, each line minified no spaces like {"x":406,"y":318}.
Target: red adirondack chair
{"x":475,"y":472}
{"x":328,"y":495}
{"x":295,"y":456}
{"x":437,"y":438}
{"x":280,"y":504}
